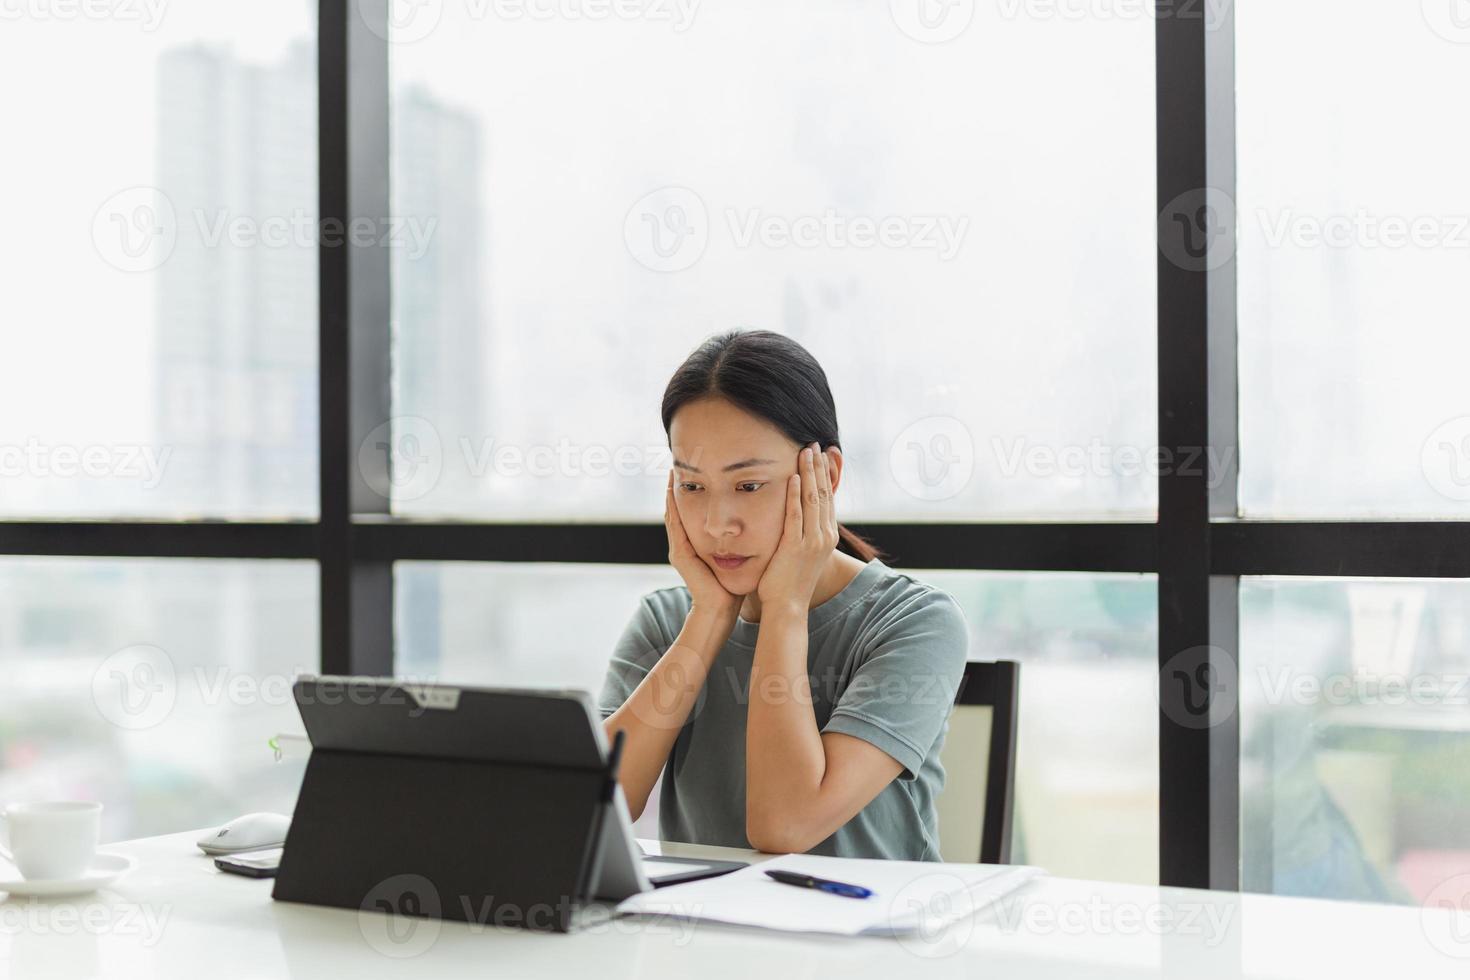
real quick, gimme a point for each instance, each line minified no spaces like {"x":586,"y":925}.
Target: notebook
{"x":907,"y":895}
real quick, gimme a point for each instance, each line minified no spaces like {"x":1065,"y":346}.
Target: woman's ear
{"x":836,"y":456}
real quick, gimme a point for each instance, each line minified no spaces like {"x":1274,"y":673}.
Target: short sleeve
{"x":903,"y":690}
{"x":636,"y":651}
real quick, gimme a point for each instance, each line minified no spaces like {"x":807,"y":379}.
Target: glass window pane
{"x":1354,"y":238}
{"x":161,"y":312}
{"x":1087,"y":775}
{"x":1088,"y":644}
{"x":546,"y":625}
{"x":492,"y":623}
{"x":1355,"y":738}
{"x":819,"y":169}
{"x":153,"y":686}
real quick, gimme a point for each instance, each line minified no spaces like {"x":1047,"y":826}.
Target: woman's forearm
{"x":784,"y":757}
{"x":660,"y":705}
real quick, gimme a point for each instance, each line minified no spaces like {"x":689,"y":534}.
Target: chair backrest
{"x":977,"y":803}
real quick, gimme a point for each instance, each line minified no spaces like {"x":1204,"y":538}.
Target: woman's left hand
{"x":808,"y":536}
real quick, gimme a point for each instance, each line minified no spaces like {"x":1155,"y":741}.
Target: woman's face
{"x":730,"y":473}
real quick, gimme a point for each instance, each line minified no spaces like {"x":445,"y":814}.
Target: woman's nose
{"x":720,"y":519}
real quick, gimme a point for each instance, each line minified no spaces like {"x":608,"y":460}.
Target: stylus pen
{"x":821,"y":884}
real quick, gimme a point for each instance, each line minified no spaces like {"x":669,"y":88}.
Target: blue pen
{"x":822,"y":884}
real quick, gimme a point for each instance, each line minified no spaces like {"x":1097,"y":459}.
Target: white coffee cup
{"x":51,"y":841}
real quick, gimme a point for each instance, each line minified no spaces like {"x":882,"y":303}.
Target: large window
{"x":1353,"y":231}
{"x":1354,"y":243}
{"x":1088,"y":741}
{"x":1087,"y":645}
{"x":154,"y":686}
{"x":160,"y":300}
{"x":597,"y":195}
{"x":336,"y":342}
{"x":1355,"y":740}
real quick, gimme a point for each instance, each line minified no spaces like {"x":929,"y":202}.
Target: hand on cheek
{"x":703,"y":584}
{"x":808,"y":533}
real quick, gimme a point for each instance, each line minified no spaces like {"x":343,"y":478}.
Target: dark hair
{"x":772,"y":377}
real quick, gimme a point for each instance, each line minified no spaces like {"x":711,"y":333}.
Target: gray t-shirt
{"x":884,"y":658}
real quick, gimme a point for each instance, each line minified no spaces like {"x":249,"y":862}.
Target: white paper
{"x":906,"y":895}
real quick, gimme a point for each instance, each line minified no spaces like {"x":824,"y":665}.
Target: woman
{"x":796,"y":687}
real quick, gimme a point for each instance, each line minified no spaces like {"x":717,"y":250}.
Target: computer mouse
{"x":247,"y":833}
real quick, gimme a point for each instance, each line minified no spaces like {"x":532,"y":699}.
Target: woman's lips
{"x":731,"y":562}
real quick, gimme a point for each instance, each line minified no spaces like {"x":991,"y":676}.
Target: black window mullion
{"x":159,"y":539}
{"x":1108,"y":547}
{"x":353,"y":342}
{"x":1199,"y":753}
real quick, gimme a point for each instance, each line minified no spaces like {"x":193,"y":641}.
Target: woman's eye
{"x":692,"y":487}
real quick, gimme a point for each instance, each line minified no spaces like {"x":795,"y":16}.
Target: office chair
{"x":977,"y":803}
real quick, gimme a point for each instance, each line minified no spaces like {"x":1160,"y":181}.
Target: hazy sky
{"x":79,"y":120}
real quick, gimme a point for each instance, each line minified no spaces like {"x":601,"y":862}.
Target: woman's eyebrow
{"x":743,"y":464}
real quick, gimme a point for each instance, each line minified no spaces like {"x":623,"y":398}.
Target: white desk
{"x":177,"y":917}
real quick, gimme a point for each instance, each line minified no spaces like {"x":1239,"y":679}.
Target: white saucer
{"x":105,"y":869}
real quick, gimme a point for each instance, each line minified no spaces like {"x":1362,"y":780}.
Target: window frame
{"x":1197,"y":547}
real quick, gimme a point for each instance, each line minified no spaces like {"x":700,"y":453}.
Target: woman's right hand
{"x":704,"y":587}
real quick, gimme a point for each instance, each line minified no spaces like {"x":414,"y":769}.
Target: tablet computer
{"x":539,"y":744}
